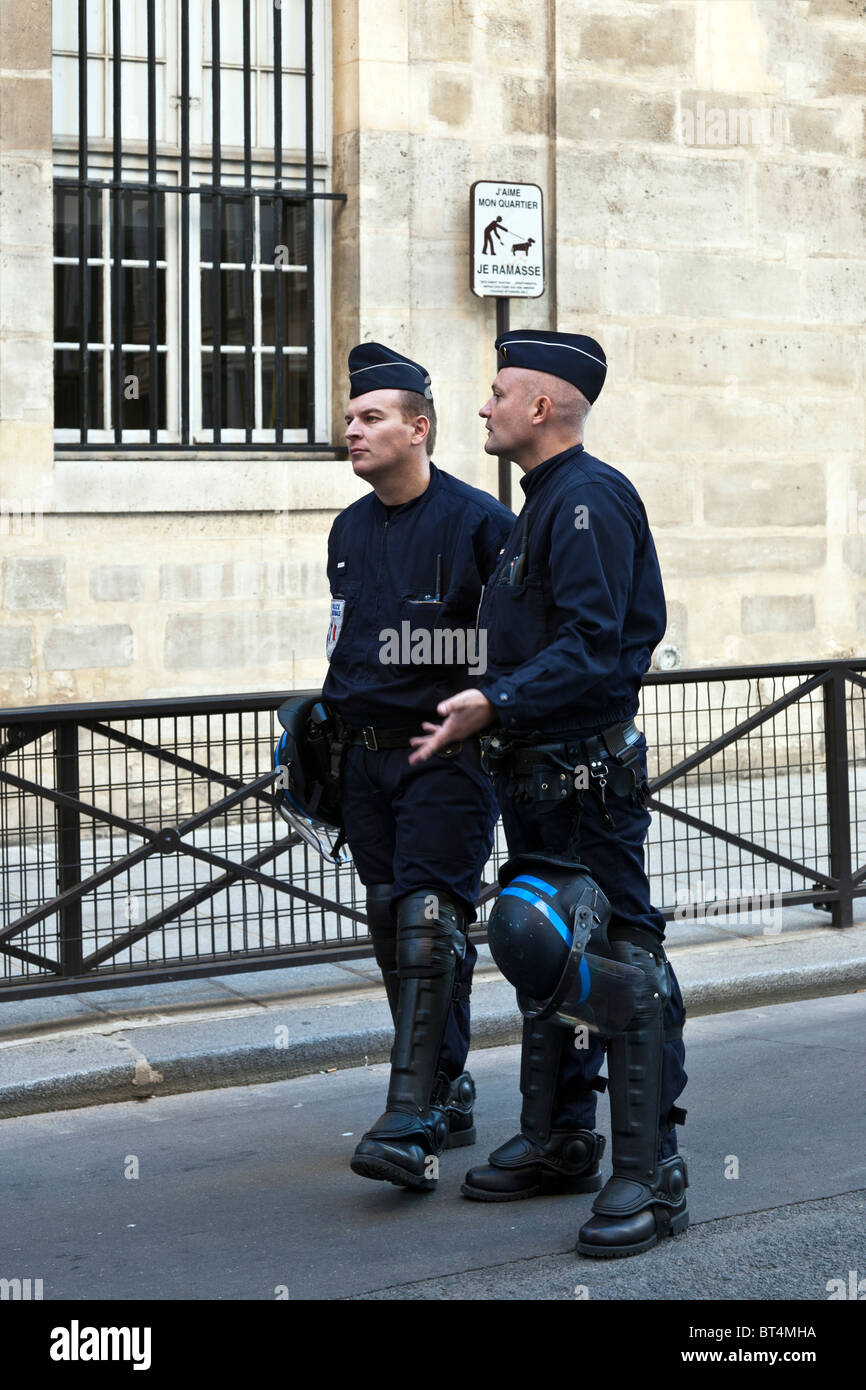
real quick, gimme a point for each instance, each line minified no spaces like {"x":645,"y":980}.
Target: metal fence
{"x":138,"y":841}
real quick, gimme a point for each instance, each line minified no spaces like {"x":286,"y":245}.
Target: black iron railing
{"x":758,"y":776}
{"x":138,"y":841}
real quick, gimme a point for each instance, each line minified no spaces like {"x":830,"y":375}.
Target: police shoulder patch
{"x":338,"y":607}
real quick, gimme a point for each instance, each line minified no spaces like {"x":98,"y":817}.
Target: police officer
{"x":406,"y":566}
{"x":573,"y":614}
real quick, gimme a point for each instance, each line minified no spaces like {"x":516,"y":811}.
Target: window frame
{"x":258,"y":170}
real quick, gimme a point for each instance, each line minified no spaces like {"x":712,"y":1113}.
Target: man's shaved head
{"x":533,"y":415}
{"x":570,"y":405}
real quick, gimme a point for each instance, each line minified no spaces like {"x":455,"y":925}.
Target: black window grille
{"x":186,"y":271}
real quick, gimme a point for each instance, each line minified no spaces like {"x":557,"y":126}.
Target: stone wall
{"x":712,"y":156}
{"x":705,"y":185}
{"x":26,"y":320}
{"x":429,"y":98}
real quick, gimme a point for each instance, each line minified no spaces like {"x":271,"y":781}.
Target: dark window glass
{"x":135,"y":391}
{"x":232,"y":385}
{"x":69,"y":390}
{"x":68,"y":315}
{"x":232,"y":233}
{"x":134,"y":234}
{"x":282,"y":232}
{"x":231,"y":307}
{"x":136,"y":309}
{"x":66,"y":223}
{"x":294,"y":392}
{"x":293,"y":307}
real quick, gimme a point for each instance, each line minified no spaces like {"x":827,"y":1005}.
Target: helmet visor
{"x":600,"y":993}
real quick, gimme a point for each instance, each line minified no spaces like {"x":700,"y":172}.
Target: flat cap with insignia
{"x":572,"y":356}
{"x":373,"y":367}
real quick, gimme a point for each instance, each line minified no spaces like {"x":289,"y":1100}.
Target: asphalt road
{"x":246,"y":1193}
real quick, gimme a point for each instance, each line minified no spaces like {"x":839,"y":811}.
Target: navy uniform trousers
{"x":424,"y":827}
{"x":614,"y":855}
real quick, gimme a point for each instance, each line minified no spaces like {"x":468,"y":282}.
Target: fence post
{"x":68,"y":848}
{"x":838,"y":808}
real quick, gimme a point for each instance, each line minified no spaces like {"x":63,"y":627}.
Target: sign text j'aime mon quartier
{"x":507,"y":240}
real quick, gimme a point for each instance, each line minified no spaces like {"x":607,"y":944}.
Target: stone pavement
{"x":246,"y":1193}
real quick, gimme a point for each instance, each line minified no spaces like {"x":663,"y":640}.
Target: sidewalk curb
{"x":258,"y":1064}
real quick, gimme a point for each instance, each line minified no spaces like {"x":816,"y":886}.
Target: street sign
{"x":507,"y":240}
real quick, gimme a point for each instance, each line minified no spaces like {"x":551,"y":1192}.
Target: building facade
{"x":173,"y":378}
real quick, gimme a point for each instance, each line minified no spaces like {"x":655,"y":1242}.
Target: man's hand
{"x":465,"y":713}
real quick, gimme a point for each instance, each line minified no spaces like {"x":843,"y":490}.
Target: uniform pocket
{"x":427,"y":636}
{"x":422,"y":613}
{"x":516,"y":621}
{"x":435,"y":635}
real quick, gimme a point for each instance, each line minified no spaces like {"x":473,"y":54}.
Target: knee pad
{"x":383,"y":927}
{"x":430,"y":934}
{"x":656,"y":989}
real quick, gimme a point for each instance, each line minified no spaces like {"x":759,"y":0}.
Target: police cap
{"x":373,"y":367}
{"x":572,"y":356}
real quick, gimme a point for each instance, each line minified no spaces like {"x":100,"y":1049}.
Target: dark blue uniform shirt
{"x":576,"y":605}
{"x":397,"y":575}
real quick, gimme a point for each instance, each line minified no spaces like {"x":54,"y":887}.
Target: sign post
{"x":503,"y":324}
{"x":507,"y":257}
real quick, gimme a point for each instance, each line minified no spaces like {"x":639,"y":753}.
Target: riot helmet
{"x":548,"y":935}
{"x":307,"y":792}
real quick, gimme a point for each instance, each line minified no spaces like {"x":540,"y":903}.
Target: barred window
{"x":191,"y":229}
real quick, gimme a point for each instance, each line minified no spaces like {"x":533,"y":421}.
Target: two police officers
{"x":406,"y":566}
{"x":572,"y":615}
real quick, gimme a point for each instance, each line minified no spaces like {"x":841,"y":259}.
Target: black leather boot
{"x":457,"y":1100}
{"x":645,"y":1199}
{"x":539,"y":1158}
{"x":383,"y":930}
{"x":632,"y":1217}
{"x":404,"y":1144}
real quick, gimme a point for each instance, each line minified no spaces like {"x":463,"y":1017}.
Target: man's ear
{"x":420,"y":429}
{"x":541,"y":409}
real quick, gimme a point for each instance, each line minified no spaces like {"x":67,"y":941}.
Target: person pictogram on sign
{"x":491,"y":231}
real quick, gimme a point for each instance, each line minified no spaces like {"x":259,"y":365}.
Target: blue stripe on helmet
{"x":585,"y":979}
{"x":538,"y":883}
{"x":544,"y":908}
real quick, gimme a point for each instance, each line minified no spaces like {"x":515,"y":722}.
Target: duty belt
{"x":615,"y":742}
{"x":366,"y":736}
{"x":610,"y":757}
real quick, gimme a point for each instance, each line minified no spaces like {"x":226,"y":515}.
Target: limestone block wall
{"x":180,"y":577}
{"x":429,"y":98}
{"x":26,"y":319}
{"x":711,"y":192}
{"x":705,"y":185}
{"x":127,"y":577}
{"x":703,"y":171}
